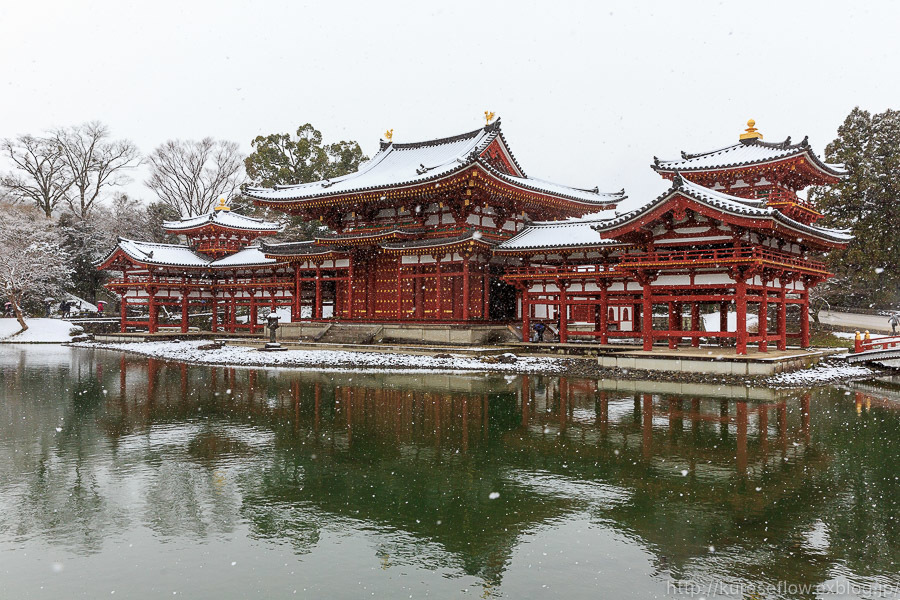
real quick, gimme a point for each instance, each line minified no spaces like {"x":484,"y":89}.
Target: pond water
{"x":134,"y":478}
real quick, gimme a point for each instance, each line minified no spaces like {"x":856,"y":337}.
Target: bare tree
{"x":93,"y":162}
{"x":189,"y":175}
{"x":40,"y":175}
{"x":32,"y":264}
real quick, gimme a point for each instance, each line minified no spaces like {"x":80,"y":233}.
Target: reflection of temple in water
{"x":423,"y":454}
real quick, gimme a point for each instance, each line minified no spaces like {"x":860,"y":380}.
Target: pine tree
{"x":867,"y":202}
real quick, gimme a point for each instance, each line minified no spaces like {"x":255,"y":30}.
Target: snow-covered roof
{"x":729,"y":204}
{"x":222,"y":218}
{"x":744,"y":153}
{"x":561,"y":234}
{"x":398,"y":165}
{"x":248,"y":257}
{"x":162,"y":254}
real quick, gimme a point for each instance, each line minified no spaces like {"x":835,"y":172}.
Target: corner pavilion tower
{"x":731,"y":235}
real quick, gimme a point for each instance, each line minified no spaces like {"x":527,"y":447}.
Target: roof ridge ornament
{"x":222,"y":204}
{"x":389,"y":135}
{"x":488,"y":117}
{"x":752,"y":133}
{"x":677,"y":180}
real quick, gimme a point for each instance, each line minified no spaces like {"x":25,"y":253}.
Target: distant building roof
{"x":747,"y":152}
{"x":225,"y":219}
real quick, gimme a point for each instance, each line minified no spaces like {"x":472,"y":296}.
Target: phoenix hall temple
{"x":452,"y":233}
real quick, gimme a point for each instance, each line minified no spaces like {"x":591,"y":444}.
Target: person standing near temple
{"x":894,"y":321}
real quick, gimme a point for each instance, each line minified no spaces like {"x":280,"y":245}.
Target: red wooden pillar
{"x":123,"y":313}
{"x":215,"y":314}
{"x":399,"y":287}
{"x":371,"y":273}
{"x":419,"y":292}
{"x":317,"y":310}
{"x":232,"y":316}
{"x":604,"y":313}
{"x":741,"y":454}
{"x":253,"y":314}
{"x":763,"y":318}
{"x":804,"y":317}
{"x":439,"y":290}
{"x":782,"y":317}
{"x":465,"y":288}
{"x":695,"y":323}
{"x":350,"y":280}
{"x":153,"y":325}
{"x":526,"y":314}
{"x":723,"y":318}
{"x":740,"y":300}
{"x":647,"y":315}
{"x":485,"y":293}
{"x":563,"y":312}
{"x":185,"y":303}
{"x":673,"y":326}
{"x":296,"y":296}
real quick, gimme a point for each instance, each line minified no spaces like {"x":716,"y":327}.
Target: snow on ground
{"x":328,"y":360}
{"x":852,"y":336}
{"x":824,"y":372}
{"x":52,"y":331}
{"x":711,"y":322}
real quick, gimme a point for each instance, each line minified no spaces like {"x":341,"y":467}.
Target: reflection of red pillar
{"x":215,"y":314}
{"x":742,"y":438}
{"x":563,"y":402}
{"x":152,"y":368}
{"x":740,"y":300}
{"x":782,"y":426}
{"x":647,"y":425}
{"x":604,"y":412}
{"x":184,"y":382}
{"x":804,"y":417}
{"x":763,"y":428}
{"x":465,"y":425}
{"x":122,"y":378}
{"x":318,"y":401}
{"x":526,"y":399}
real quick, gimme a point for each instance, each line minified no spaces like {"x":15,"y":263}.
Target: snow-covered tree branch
{"x":190,"y":175}
{"x":32,"y":264}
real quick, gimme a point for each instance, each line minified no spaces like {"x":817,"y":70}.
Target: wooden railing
{"x":884,"y":343}
{"x":720,"y":256}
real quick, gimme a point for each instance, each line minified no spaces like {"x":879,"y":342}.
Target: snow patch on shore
{"x":327,"y":360}
{"x":824,"y":372}
{"x":48,"y":331}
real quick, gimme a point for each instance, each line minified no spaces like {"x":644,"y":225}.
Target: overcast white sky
{"x":588,"y":92}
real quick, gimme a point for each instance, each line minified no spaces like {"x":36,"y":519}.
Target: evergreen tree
{"x":280,"y":159}
{"x":867,"y":202}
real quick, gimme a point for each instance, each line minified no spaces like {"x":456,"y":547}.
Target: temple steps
{"x":350,"y":333}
